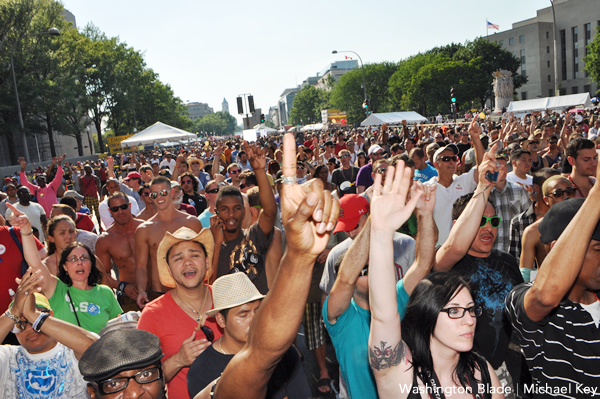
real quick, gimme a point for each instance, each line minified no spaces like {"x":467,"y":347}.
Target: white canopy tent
{"x":314,"y":126}
{"x":393,"y":118}
{"x":264,"y":130}
{"x":541,"y":104}
{"x":157,"y":133}
{"x":169,"y":144}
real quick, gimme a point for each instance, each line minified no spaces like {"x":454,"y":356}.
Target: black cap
{"x":558,"y":218}
{"x":119,"y":350}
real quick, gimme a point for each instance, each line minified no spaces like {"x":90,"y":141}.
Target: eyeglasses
{"x":552,"y":141}
{"x":195,"y":163}
{"x":381,"y":170}
{"x":186,"y":182}
{"x":449,"y":158}
{"x":115,"y":385}
{"x":300,"y":167}
{"x":116,"y":208}
{"x":345,"y":156}
{"x":235,"y":172}
{"x":454,"y":312}
{"x":534,"y":142}
{"x":210,"y":335}
{"x":163,"y":193}
{"x":75,"y":258}
{"x":494,"y":221}
{"x":558,"y":193}
{"x":379,"y":153}
{"x":146,"y":193}
{"x":213,"y":191}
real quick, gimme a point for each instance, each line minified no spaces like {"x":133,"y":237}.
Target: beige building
{"x":198,"y":110}
{"x":532,"y":41}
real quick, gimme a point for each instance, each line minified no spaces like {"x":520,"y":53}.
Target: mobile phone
{"x":492,"y":177}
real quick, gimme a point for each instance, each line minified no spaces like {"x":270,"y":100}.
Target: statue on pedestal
{"x":503,"y":89}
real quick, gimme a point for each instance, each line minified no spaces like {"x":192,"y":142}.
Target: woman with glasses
{"x":75,"y":294}
{"x":428,"y":353}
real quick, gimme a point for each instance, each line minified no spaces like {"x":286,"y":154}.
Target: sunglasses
{"x":146,"y":193}
{"x":379,"y":153}
{"x":455,"y":312}
{"x":300,"y":167}
{"x":163,"y":193}
{"x":345,"y":156}
{"x":558,"y":193}
{"x":494,"y":221}
{"x":235,"y":172}
{"x":116,"y":208}
{"x":552,"y":141}
{"x":243,"y":186}
{"x":213,"y":191}
{"x":536,"y":142}
{"x":75,"y":258}
{"x":449,"y":158}
{"x":186,"y":182}
{"x":195,"y":163}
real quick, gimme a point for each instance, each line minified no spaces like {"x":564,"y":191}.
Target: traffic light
{"x":453,"y":98}
{"x":251,"y":104}
{"x":262,"y":118}
{"x":365,"y":104}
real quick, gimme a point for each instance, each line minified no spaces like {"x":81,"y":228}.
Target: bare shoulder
{"x":192,"y":222}
{"x":533,"y":230}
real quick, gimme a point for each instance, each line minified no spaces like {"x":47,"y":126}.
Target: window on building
{"x":523,"y":63}
{"x":547,"y":49}
{"x":550,"y":92}
{"x":548,"y":63}
{"x":547,"y":35}
{"x":523,"y":95}
{"x":574,"y":90}
{"x":549,"y":78}
{"x":563,"y":92}
{"x":575,"y":33}
{"x":522,"y":39}
{"x":588,"y":89}
{"x":563,"y":54}
{"x":501,"y":43}
{"x":511,"y":41}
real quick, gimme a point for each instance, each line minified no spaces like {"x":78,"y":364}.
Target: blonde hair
{"x":550,"y":180}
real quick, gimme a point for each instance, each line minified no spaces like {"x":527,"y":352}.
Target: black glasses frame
{"x":116,"y":208}
{"x":135,"y":376}
{"x":474,"y":311}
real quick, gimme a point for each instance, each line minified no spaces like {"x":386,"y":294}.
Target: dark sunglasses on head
{"x":163,"y":193}
{"x":494,"y":221}
{"x":560,"y":192}
{"x":243,"y":186}
{"x":210,"y":335}
{"x":116,"y":208}
{"x":449,"y":158}
{"x":213,"y":191}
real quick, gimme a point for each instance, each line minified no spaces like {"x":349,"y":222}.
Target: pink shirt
{"x":46,"y":196}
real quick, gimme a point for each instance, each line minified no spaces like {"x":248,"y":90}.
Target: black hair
{"x":408,"y":161}
{"x":142,"y":187}
{"x":229,"y":191}
{"x":95,"y":276}
{"x":52,"y":223}
{"x":249,"y":178}
{"x":424,"y":306}
{"x":115,"y":195}
{"x":460,"y":204}
{"x":195,"y":183}
{"x":577,"y":145}
{"x":161,"y":180}
{"x":418,"y":152}
{"x":70,"y":201}
{"x":517,"y":154}
{"x":540,"y":176}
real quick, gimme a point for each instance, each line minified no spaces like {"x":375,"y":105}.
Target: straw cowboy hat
{"x":205,"y":238}
{"x":232,"y":290}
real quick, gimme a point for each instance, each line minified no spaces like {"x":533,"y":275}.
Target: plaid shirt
{"x":517,"y":227}
{"x":512,"y":201}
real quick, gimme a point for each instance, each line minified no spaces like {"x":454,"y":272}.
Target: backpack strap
{"x":24,"y":264}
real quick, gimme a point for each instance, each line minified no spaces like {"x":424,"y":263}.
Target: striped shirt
{"x":562,"y":350}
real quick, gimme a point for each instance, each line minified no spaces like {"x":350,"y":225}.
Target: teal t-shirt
{"x":350,"y":338}
{"x":94,"y":307}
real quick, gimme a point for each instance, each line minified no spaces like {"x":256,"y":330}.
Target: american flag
{"x":492,"y":26}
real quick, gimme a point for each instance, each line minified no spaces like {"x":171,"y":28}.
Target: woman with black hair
{"x":76,"y":295}
{"x":428,"y":355}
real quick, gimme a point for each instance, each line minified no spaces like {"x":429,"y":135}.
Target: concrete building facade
{"x":532,"y":41}
{"x":225,"y":106}
{"x":198,"y":110}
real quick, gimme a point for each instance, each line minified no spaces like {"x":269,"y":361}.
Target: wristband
{"x":27,"y":234}
{"x":12,"y":316}
{"x":37,"y":324}
{"x":121,"y":287}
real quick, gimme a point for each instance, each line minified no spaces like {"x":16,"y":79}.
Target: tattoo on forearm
{"x":384,"y":357}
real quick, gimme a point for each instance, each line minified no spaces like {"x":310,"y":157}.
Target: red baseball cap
{"x":133,"y":175}
{"x":352,"y":207}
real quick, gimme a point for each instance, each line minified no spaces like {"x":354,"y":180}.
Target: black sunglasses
{"x":116,"y":208}
{"x":242,"y":186}
{"x":213,"y":191}
{"x":560,"y":192}
{"x":449,"y":158}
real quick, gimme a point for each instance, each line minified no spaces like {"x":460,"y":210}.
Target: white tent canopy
{"x":393,"y":118}
{"x":157,"y":133}
{"x":541,"y":104}
{"x":314,"y":126}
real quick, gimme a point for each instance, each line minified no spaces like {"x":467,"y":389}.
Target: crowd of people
{"x":438,"y":259}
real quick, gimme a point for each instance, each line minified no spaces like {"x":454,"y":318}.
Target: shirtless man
{"x":150,"y":209}
{"x":556,"y":189}
{"x":149,"y":234}
{"x":117,"y":244}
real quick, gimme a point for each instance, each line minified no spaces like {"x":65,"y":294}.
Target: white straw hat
{"x":232,"y":290}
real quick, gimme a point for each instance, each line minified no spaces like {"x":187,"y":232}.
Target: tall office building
{"x":532,"y":41}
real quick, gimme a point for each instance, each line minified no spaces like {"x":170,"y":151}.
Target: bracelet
{"x":12,"y":316}
{"x":27,"y":234}
{"x":121,"y":287}
{"x":37,"y":325}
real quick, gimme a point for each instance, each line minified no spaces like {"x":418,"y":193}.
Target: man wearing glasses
{"x":346,"y":173}
{"x":234,"y":171}
{"x":125,"y":363}
{"x":117,"y":245}
{"x":179,"y":318}
{"x":191,"y":192}
{"x":113,"y":186}
{"x":469,"y":251}
{"x":149,"y":234}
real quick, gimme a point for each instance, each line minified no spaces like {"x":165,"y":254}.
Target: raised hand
{"x":426,"y":203}
{"x":19,"y":219}
{"x":216,"y":228}
{"x":474,"y":128}
{"x":489,"y":164}
{"x":389,"y":206}
{"x":308,"y":211}
{"x":61,"y":158}
{"x":54,"y":161}
{"x":110,"y":163}
{"x":257,"y":159}
{"x":27,"y":286}
{"x":23,"y":164}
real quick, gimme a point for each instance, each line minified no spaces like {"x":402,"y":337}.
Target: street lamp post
{"x":362,"y":66}
{"x":556,"y":91}
{"x":51,"y":32}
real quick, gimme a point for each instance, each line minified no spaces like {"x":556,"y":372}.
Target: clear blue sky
{"x":208,"y":50}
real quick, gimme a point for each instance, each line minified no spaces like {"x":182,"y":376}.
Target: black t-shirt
{"x":462,"y":148}
{"x":247,"y":254}
{"x":492,"y":278}
{"x":198,"y":201}
{"x":288,"y":378}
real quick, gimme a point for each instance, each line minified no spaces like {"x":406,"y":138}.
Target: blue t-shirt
{"x":350,"y":338}
{"x":425,"y":174}
{"x":205,"y":218}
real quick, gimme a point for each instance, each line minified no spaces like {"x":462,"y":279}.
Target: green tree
{"x":219,"y":124}
{"x":592,"y":59}
{"x":307,"y":106}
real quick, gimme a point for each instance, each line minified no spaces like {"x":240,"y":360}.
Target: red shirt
{"x":10,"y":264}
{"x":165,"y":319}
{"x":338,"y":148}
{"x":188,"y":208}
{"x":84,"y":222}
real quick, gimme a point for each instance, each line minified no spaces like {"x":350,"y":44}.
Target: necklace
{"x":221,"y":348}
{"x":199,"y":319}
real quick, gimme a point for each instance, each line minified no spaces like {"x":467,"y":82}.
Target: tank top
{"x":89,"y":188}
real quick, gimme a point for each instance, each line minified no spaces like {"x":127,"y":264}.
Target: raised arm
{"x":216,"y":160}
{"x":389,"y":210}
{"x":110,"y":166}
{"x":309,"y":214}
{"x":32,"y":256}
{"x":353,"y":262}
{"x":562,"y":265}
{"x":57,"y":181}
{"x":475,"y":131}
{"x":258,"y":161}
{"x":23,"y":178}
{"x":465,"y":228}
{"x":141,"y":264}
